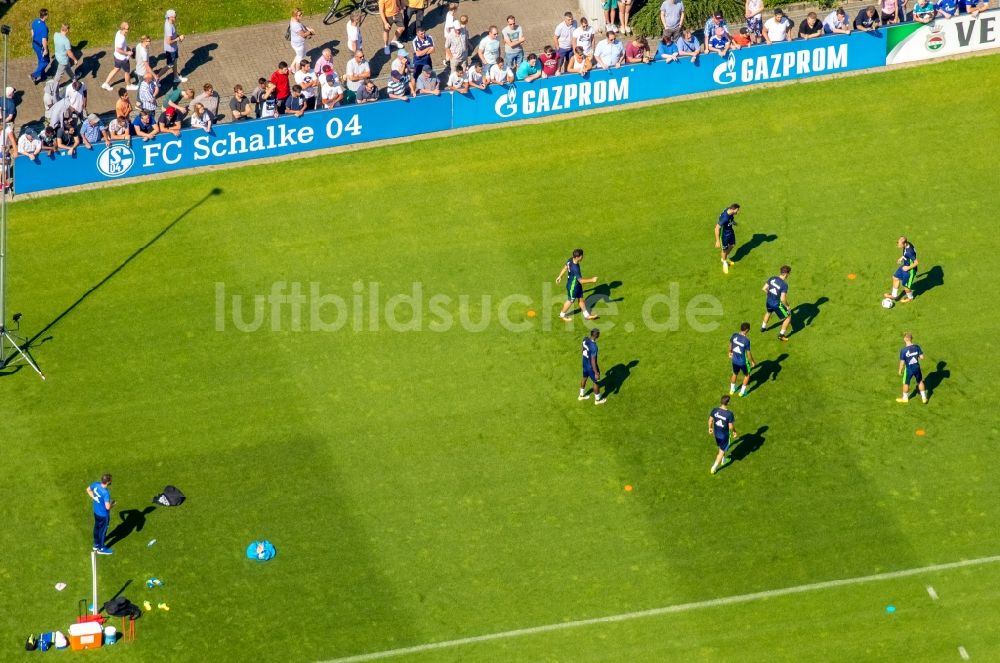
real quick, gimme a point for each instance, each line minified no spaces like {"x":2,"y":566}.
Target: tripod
{"x":18,"y":344}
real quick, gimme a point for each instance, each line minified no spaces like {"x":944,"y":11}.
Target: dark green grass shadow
{"x":744,"y":249}
{"x":934,"y":379}
{"x":765,"y":371}
{"x":616,"y":377}
{"x":931,"y":279}
{"x":214,"y":192}
{"x":747,"y":444}
{"x":132,"y":520}
{"x":805,"y":314}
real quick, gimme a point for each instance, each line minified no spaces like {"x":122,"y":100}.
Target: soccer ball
{"x":888,"y":303}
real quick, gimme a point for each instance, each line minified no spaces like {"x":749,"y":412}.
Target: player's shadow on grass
{"x":602,"y":293}
{"x":616,"y":376}
{"x":214,"y":192}
{"x":743,"y":250}
{"x":765,"y":371}
{"x":132,"y":520}
{"x":804,"y":315}
{"x":931,"y":279}
{"x":747,"y":444}
{"x":934,"y":379}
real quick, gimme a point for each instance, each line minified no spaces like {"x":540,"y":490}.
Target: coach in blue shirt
{"x":100,"y":495}
{"x":40,"y":45}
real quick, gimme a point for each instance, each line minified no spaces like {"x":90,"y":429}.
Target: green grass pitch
{"x":424,"y":486}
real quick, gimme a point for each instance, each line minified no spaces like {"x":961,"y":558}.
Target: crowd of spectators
{"x":163,"y":104}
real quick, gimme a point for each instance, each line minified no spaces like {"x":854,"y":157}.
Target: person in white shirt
{"x":837,"y":23}
{"x":451,"y":23}
{"x":28,"y":145}
{"x":298,"y":33}
{"x":579,"y":63}
{"x":201,"y":118}
{"x":476,"y":77}
{"x":332,"y":92}
{"x":583,"y":37}
{"x":354,"y":31}
{"x":457,"y":81}
{"x":610,"y":52}
{"x":776,"y":28}
{"x":357,"y":72}
{"x":501,"y":73}
{"x":562,"y":38}
{"x":142,"y":57}
{"x":121,"y":60}
{"x":308,"y":81}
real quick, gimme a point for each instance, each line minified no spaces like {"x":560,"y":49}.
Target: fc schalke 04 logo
{"x":116,"y":160}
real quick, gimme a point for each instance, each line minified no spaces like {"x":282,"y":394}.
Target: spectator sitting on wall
{"x":144,"y":126}
{"x":610,"y":52}
{"x":688,"y":46}
{"x":973,"y":7}
{"x":550,"y":62}
{"x":776,"y":28}
{"x":118,"y":129}
{"x":529,"y":70}
{"x":667,"y":50}
{"x":720,"y":43}
{"x":398,"y":87}
{"x":201,"y":117}
{"x":867,"y":19}
{"x":837,"y":23}
{"x":500,"y":73}
{"x":637,"y":51}
{"x":368,"y":92}
{"x":457,"y":81}
{"x":810,"y":27}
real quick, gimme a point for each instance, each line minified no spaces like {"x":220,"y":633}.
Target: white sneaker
{"x":105,"y":86}
{"x":182,"y":79}
{"x":601,"y":401}
{"x":397,"y":44}
{"x":131,"y":87}
{"x":565,"y":317}
{"x":725,"y":268}
{"x":582,"y":398}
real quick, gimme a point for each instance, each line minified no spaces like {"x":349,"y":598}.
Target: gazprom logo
{"x":725,"y":73}
{"x":116,"y":160}
{"x":506,"y":105}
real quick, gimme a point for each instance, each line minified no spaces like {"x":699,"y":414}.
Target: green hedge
{"x":646,"y":19}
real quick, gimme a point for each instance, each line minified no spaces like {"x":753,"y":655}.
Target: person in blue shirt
{"x":776,"y":288}
{"x":905,"y":273}
{"x":101,"y":497}
{"x":591,"y":371}
{"x":40,"y":45}
{"x":721,"y":425}
{"x":666,"y":51}
{"x":423,"y":50}
{"x":739,"y":355}
{"x":574,"y":286}
{"x":946,"y":8}
{"x":725,"y":234}
{"x":909,"y":368}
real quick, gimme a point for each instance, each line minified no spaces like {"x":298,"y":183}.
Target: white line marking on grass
{"x":666,"y":610}
{"x":964,"y":654}
{"x":932,"y":593}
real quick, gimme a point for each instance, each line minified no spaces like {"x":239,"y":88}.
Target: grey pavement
{"x":242,"y":55}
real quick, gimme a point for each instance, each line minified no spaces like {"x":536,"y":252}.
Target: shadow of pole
{"x":214,"y":192}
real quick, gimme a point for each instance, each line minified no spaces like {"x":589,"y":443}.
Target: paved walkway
{"x":242,"y":55}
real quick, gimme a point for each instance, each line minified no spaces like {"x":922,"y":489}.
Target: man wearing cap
{"x":401,"y":63}
{"x":9,"y":105}
{"x":610,"y":52}
{"x":331,"y":92}
{"x":358,"y":71}
{"x":94,"y":131}
{"x":427,"y":83}
{"x":121,"y":60}
{"x":101,"y":497}
{"x":716,"y":21}
{"x":64,"y":53}
{"x":776,"y":28}
{"x":169,"y":122}
{"x":40,"y":45}
{"x":170,"y":41}
{"x":308,"y":81}
{"x":423,"y":51}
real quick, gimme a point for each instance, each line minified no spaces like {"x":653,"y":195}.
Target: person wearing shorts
{"x":721,"y":425}
{"x":776,"y":288}
{"x":122,"y":65}
{"x":610,"y":8}
{"x":391,"y":13}
{"x":574,"y":286}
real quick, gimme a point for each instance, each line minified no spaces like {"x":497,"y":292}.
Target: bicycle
{"x":337,"y":12}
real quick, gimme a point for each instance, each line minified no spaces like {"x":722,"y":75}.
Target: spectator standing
{"x":282,"y":86}
{"x":837,"y":23}
{"x":625,"y":11}
{"x":427,"y":83}
{"x":451,"y":23}
{"x":513,"y":42}
{"x":102,"y":504}
{"x":325,"y":58}
{"x":144,"y":125}
{"x":201,"y":118}
{"x":890,"y":11}
{"x":754,"y":12}
{"x":719,"y":43}
{"x":175,"y":98}
{"x":688,"y":46}
{"x":923,"y":11}
{"x":529,"y":70}
{"x":489,"y":47}
{"x":415,"y":10}
{"x":610,"y":52}
{"x":354,"y":32}
{"x":210,"y":99}
{"x":579,"y":63}
{"x":40,"y":45}
{"x":118,"y":129}
{"x":637,"y":51}
{"x":358,"y":71}
{"x":500,"y":73}
{"x":123,"y":107}
{"x":9,"y":105}
{"x":583,"y":37}
{"x":171,"y":41}
{"x":457,"y":81}
{"x":562,"y":38}
{"x":391,"y":13}
{"x":667,"y":50}
{"x":76,"y":93}
{"x":239,"y":104}
{"x":368,"y":92}
{"x":672,"y":18}
{"x":716,"y":21}
{"x":810,"y":27}
{"x":867,"y":20}
{"x":257,"y":96}
{"x":28,"y":145}
{"x":331,"y":92}
{"x":610,"y":8}
{"x":64,"y":53}
{"x":298,"y":33}
{"x":423,"y":51}
{"x":776,"y":28}
{"x":142,"y":57}
{"x":457,"y":44}
{"x":121,"y":60}
{"x":308,"y":82}
{"x":476,"y":77}
{"x":551,"y":62}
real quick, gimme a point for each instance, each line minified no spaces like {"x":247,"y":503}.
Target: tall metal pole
{"x":3,"y":206}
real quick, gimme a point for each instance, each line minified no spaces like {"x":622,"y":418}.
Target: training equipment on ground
{"x":888,"y":303}
{"x":171,"y":496}
{"x":260,"y":551}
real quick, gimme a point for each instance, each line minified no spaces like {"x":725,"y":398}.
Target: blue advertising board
{"x":352,"y":125}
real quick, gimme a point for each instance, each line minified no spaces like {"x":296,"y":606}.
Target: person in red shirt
{"x":550,"y":62}
{"x":282,"y":85}
{"x":637,"y":51}
{"x":743,"y":38}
